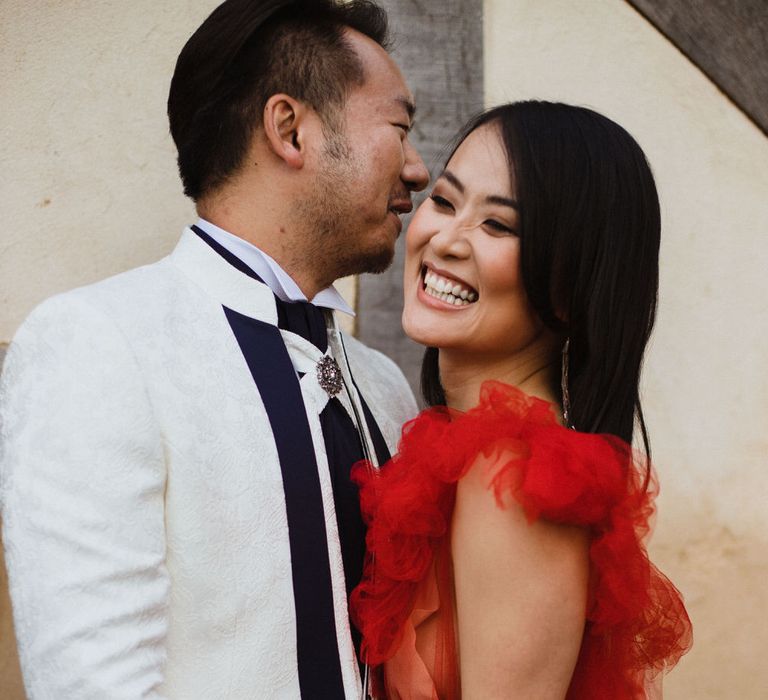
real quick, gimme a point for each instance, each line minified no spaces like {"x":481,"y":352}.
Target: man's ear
{"x":285,"y":122}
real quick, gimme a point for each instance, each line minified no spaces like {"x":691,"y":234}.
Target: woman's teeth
{"x":447,"y":290}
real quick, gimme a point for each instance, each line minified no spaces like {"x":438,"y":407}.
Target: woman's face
{"x":463,"y":287}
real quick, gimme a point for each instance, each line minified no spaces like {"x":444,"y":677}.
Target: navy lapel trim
{"x":316,"y":638}
{"x":229,"y":257}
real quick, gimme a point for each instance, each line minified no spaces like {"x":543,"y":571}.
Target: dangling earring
{"x":564,"y":386}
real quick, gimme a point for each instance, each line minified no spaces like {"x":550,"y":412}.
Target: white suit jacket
{"x":144,"y":510}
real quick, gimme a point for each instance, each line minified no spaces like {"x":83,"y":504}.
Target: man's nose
{"x":414,"y":174}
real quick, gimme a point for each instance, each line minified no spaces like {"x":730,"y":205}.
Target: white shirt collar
{"x":277,"y":279}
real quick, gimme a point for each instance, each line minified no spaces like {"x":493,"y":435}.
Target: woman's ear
{"x":284,"y":124}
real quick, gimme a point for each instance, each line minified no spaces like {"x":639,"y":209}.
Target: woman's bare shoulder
{"x":521,"y":590}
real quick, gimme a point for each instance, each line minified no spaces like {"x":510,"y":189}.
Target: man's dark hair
{"x":249,"y":50}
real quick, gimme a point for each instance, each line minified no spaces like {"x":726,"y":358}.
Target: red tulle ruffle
{"x":637,"y":626}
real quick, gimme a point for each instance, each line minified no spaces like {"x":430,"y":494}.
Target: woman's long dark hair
{"x":589,"y":247}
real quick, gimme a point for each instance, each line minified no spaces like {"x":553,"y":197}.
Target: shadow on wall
{"x":11,"y":686}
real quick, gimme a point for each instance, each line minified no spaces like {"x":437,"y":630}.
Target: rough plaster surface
{"x":706,"y":378}
{"x":93,"y":187}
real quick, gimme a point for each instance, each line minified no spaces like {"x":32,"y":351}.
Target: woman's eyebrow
{"x":448,"y":175}
{"x":504,"y":201}
{"x":491,"y":198}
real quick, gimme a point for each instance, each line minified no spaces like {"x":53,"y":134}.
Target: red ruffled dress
{"x":636,"y":626}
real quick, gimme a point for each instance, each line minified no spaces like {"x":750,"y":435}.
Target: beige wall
{"x":89,"y":186}
{"x":706,"y":379}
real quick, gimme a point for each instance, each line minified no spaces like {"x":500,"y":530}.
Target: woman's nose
{"x":450,"y":241}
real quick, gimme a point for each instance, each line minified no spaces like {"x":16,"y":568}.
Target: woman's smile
{"x":443,"y":290}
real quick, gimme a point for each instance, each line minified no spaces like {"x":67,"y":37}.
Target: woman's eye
{"x":441,"y":202}
{"x":498,"y":226}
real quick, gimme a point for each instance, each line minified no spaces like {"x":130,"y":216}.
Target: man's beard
{"x":332,"y":238}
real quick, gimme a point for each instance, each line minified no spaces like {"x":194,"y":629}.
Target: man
{"x":178,"y":516}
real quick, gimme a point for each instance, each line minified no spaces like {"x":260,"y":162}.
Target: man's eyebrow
{"x":408,"y":104}
{"x":491,"y":198}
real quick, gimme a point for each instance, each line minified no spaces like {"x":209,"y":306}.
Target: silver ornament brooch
{"x":329,"y":375}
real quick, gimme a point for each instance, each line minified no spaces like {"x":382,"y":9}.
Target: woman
{"x":505,"y":549}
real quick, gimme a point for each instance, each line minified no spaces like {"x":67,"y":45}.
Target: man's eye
{"x":441,"y":202}
{"x":498,"y":226}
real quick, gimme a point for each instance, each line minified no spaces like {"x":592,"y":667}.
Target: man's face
{"x":367,"y":172}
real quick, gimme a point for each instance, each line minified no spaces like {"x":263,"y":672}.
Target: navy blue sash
{"x":272,"y":371}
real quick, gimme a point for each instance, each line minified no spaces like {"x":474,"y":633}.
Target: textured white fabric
{"x":266,"y":267}
{"x":143,"y":511}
